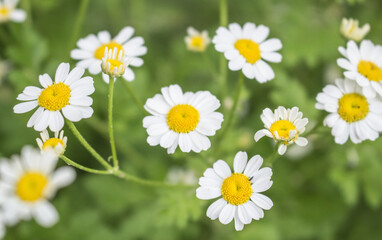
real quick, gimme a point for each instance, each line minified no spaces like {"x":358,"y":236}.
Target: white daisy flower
{"x":197,"y":41}
{"x":350,"y":29}
{"x":8,"y":11}
{"x":241,"y":199}
{"x":284,"y":126}
{"x":182,"y":119}
{"x":246,"y":49}
{"x":67,"y":95}
{"x":114,"y":63}
{"x":364,"y":65}
{"x":91,"y":50}
{"x":56,"y":143}
{"x":28,"y":182}
{"x":352,"y":114}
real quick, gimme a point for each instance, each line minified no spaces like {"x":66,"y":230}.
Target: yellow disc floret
{"x":283,"y":127}
{"x":370,"y":70}
{"x":52,"y":143}
{"x":114,"y":64}
{"x":237,"y":189}
{"x":197,"y":42}
{"x":31,"y":186}
{"x":55,"y":97}
{"x":183,"y":118}
{"x":248,"y":49}
{"x":353,"y":107}
{"x":100,"y":52}
{"x":4,"y":12}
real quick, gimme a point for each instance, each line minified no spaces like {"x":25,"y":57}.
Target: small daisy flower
{"x":363,"y":65}
{"x":28,"y":182}
{"x":350,"y":29}
{"x":67,"y":95}
{"x":284,"y":126}
{"x":8,"y":11}
{"x":56,"y":143}
{"x":246,"y":49}
{"x":352,"y":114}
{"x":197,"y":41}
{"x":114,"y":63}
{"x":91,"y":50}
{"x":182,"y":119}
{"x":240,"y":192}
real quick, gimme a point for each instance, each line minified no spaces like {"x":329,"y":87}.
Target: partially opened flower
{"x":350,"y":29}
{"x":56,"y":143}
{"x":246,"y":49}
{"x":239,"y":193}
{"x":28,"y":182}
{"x":197,"y":41}
{"x":8,"y":11}
{"x":182,"y":119}
{"x":67,"y":95}
{"x":114,"y":63}
{"x":91,"y":50}
{"x":352,"y":114}
{"x":284,"y":126}
{"x":363,"y":65}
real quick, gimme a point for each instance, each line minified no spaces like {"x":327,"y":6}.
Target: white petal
{"x":240,"y":161}
{"x":227,"y":214}
{"x":45,"y":214}
{"x":25,"y":107}
{"x":62,"y":72}
{"x":124,"y":35}
{"x":215,"y":208}
{"x":253,"y":165}
{"x":18,"y":15}
{"x":262,"y":201}
{"x":63,"y":177}
{"x":222,"y":169}
{"x":271,"y":45}
{"x":206,"y":193}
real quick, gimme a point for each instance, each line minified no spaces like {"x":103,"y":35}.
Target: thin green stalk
{"x":317,"y":125}
{"x":111,"y":128}
{"x":28,"y":9}
{"x":271,"y":158}
{"x":83,"y":168}
{"x":149,"y":183}
{"x":211,"y":65}
{"x":134,"y":96}
{"x":90,"y":149}
{"x":78,"y":23}
{"x":223,"y":15}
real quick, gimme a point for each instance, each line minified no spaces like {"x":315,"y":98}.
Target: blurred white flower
{"x":352,"y":114}
{"x":246,"y":49}
{"x":178,"y":175}
{"x":284,"y":126}
{"x":91,"y":50}
{"x":28,"y":182}
{"x":184,"y":119}
{"x":67,"y":94}
{"x":350,"y":29}
{"x":56,"y":143}
{"x":197,"y":41}
{"x":241,"y":199}
{"x":8,"y":11}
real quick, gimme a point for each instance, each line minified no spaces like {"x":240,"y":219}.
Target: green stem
{"x":211,"y":65}
{"x":78,"y":23}
{"x":134,"y":96}
{"x":28,"y":10}
{"x":90,"y":149}
{"x":83,"y":168}
{"x":317,"y":125}
{"x":223,"y":63}
{"x":270,"y":159}
{"x":111,"y":128}
{"x":223,"y":13}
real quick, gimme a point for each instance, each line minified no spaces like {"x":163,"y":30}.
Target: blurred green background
{"x":324,"y":191}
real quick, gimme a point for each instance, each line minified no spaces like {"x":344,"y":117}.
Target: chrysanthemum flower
{"x":197,"y":41}
{"x":28,"y":182}
{"x":92,"y":49}
{"x":67,"y":94}
{"x":350,"y":29}
{"x":113,"y":64}
{"x":352,"y":114}
{"x":364,"y":65}
{"x":240,"y":192}
{"x":182,"y":119}
{"x":246,"y":49}
{"x":284,"y":126}
{"x":8,"y":11}
{"x":56,"y":143}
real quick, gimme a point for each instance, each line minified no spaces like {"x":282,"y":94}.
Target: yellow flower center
{"x":31,"y":186}
{"x":283,"y":127}
{"x":353,"y":107}
{"x":4,"y":11}
{"x":197,"y":42}
{"x":370,"y":70}
{"x":183,"y":118}
{"x":52,"y":143}
{"x":114,"y":64}
{"x":237,"y":189}
{"x":100,"y":52}
{"x":55,"y":97}
{"x":248,"y":49}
